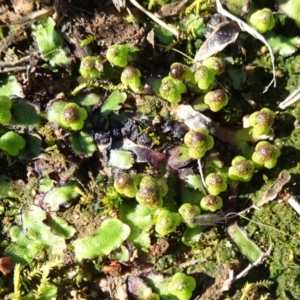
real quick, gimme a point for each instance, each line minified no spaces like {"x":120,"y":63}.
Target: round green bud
{"x":171,"y":89}
{"x":12,"y":143}
{"x":262,"y":20}
{"x":204,"y":77}
{"x":149,"y":193}
{"x":91,"y":67}
{"x":117,"y":55}
{"x":198,"y":141}
{"x":152,"y":296}
{"x":216,"y":99}
{"x":5,"y":106}
{"x":181,"y":72}
{"x":125,"y":185}
{"x":188,"y":211}
{"x":215,"y":64}
{"x":166,"y":222}
{"x":131,"y":77}
{"x":216,"y":183}
{"x":211,"y":203}
{"x":241,"y":169}
{"x":265,"y":155}
{"x":73,"y":116}
{"x":262,"y":121}
{"x":182,"y":286}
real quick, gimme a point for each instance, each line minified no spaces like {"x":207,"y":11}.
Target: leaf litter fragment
{"x":224,"y":35}
{"x":145,"y":154}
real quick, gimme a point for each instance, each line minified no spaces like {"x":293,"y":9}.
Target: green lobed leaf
{"x":60,"y":227}
{"x":108,"y":237}
{"x":113,"y":102}
{"x":32,"y":237}
{"x":195,"y":181}
{"x":139,"y":219}
{"x":82,"y":143}
{"x":245,"y":245}
{"x":61,"y":196}
{"x":10,"y":86}
{"x":87,"y":100}
{"x":24,"y":115}
{"x":281,"y":44}
{"x":50,"y":43}
{"x":120,"y":159}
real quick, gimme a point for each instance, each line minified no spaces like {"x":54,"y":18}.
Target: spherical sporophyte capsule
{"x":131,"y":77}
{"x":125,"y":185}
{"x":216,"y":183}
{"x":149,"y":193}
{"x":262,"y":20}
{"x":216,"y":99}
{"x":188,"y":211}
{"x":241,"y":169}
{"x":117,"y":55}
{"x":198,"y":141}
{"x":204,"y":77}
{"x":262,"y":121}
{"x":91,"y":67}
{"x":182,"y":286}
{"x":215,"y":64}
{"x":171,"y":89}
{"x":211,"y":203}
{"x":166,"y":222}
{"x":73,"y":116}
{"x":5,"y":106}
{"x":12,"y":143}
{"x":265,"y":155}
{"x":181,"y":72}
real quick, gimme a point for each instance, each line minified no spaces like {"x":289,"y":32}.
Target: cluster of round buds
{"x":198,"y":142}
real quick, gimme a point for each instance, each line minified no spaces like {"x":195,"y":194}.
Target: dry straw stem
{"x":291,"y":99}
{"x":293,"y":202}
{"x":227,"y":284}
{"x":154,"y":18}
{"x":33,"y":16}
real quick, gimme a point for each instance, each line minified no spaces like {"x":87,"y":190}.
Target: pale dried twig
{"x":227,"y":284}
{"x":154,"y":18}
{"x":291,"y":99}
